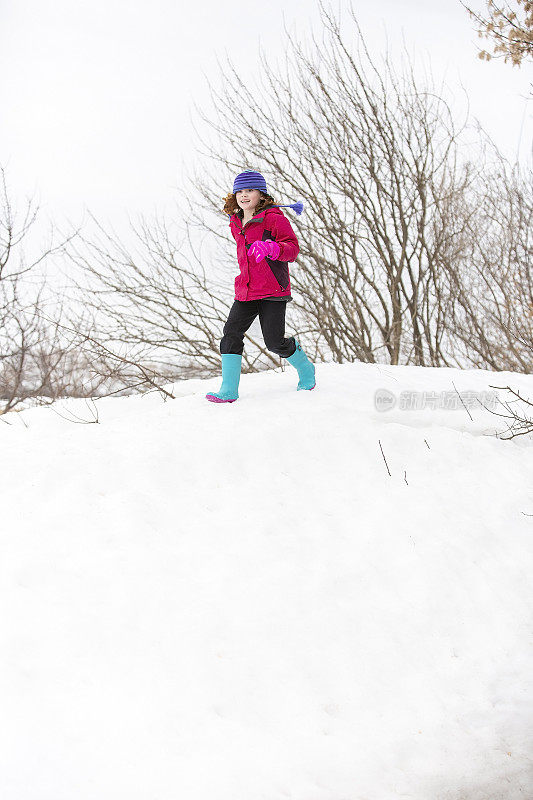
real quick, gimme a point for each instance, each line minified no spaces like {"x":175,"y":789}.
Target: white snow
{"x":237,"y":602}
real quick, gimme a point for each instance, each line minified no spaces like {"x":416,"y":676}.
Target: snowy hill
{"x":238,"y":602}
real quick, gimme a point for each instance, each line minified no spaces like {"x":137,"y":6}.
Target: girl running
{"x":266,"y":243}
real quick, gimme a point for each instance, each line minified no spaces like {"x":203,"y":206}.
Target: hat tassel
{"x":298,"y":207}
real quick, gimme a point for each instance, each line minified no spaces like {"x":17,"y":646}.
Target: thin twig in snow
{"x":461,"y":399}
{"x":384,"y":459}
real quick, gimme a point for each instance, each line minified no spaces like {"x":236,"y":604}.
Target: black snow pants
{"x":272,"y":321}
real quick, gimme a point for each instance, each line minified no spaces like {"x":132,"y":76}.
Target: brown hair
{"x":232,"y":207}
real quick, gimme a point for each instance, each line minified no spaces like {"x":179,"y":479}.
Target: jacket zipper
{"x":242,"y":234}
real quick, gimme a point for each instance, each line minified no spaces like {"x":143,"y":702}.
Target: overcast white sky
{"x":96,"y":94}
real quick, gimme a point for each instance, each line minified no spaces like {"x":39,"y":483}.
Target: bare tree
{"x":35,"y":361}
{"x":375,"y":157}
{"x":492,"y":287}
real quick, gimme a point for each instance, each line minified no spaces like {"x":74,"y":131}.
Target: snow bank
{"x":238,"y":602}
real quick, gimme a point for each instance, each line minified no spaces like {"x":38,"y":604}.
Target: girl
{"x":265,"y":244}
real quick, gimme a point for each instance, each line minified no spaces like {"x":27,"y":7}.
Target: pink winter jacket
{"x":266,"y":278}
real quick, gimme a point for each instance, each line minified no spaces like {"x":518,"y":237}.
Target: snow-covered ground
{"x":238,"y":602}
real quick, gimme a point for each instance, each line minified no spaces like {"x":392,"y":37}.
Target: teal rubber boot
{"x":306,"y":370}
{"x":231,"y":373}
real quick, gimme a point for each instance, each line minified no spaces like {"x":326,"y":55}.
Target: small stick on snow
{"x":461,"y":399}
{"x":384,"y":459}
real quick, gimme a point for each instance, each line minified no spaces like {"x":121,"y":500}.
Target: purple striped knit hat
{"x":254,"y":180}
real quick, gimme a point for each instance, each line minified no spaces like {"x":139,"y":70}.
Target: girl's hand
{"x":268,"y":248}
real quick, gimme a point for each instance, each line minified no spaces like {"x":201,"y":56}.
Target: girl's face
{"x":248,"y":199}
